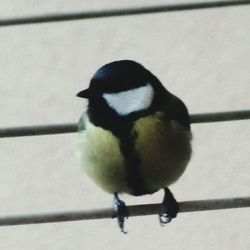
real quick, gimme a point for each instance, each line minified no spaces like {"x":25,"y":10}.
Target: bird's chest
{"x":101,"y":157}
{"x":164,"y":149}
{"x":155,"y":158}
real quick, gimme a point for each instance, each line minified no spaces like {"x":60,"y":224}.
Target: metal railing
{"x":60,"y":17}
{"x":136,"y":210}
{"x":72,"y":127}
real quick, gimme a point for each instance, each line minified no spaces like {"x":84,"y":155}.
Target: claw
{"x":121,"y":212}
{"x":164,"y":219}
{"x":171,"y":208}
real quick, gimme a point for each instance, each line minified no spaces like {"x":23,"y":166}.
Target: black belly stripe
{"x":133,"y":175}
{"x":102,"y":116}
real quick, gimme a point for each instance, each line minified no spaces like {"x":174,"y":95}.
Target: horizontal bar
{"x":220,"y":116}
{"x":38,"y":130}
{"x":136,"y":210}
{"x":72,"y":127}
{"x":46,"y":18}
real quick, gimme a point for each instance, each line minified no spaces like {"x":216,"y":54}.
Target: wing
{"x":176,"y":110}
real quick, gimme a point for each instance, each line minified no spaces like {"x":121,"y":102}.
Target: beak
{"x":85,"y":94}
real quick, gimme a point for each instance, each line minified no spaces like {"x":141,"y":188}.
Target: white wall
{"x":201,"y":56}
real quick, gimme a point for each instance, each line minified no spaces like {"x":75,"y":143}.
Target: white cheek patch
{"x":132,"y":100}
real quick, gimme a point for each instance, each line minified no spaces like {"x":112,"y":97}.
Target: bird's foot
{"x":171,"y":208}
{"x":121,"y":212}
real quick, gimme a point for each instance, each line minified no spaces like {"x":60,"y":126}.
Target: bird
{"x":134,"y":136}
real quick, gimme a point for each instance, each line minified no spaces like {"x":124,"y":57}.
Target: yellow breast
{"x":102,"y":159}
{"x":163,"y":148}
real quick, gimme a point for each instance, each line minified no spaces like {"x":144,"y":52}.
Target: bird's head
{"x":125,"y":87}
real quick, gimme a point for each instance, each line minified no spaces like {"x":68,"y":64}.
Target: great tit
{"x":135,"y":136}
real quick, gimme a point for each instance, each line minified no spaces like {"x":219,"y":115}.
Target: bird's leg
{"x":171,"y":207}
{"x":121,"y":212}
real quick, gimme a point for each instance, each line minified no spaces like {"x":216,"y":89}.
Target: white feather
{"x":126,"y":102}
